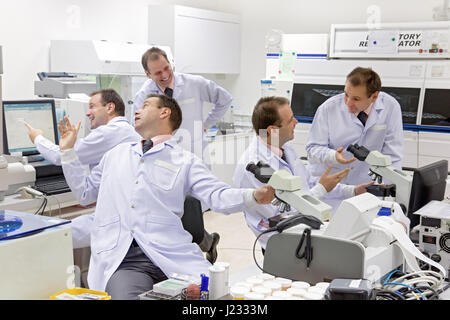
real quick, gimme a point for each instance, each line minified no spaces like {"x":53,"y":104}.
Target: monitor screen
{"x":40,"y":114}
{"x":429,"y":183}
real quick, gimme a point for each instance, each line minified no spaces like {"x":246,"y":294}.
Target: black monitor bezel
{"x":414,"y":219}
{"x":31,"y":101}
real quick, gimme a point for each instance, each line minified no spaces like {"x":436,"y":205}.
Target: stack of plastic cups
{"x":266,"y":276}
{"x":300,"y":285}
{"x":217,"y":282}
{"x":225,"y":265}
{"x":243,"y":284}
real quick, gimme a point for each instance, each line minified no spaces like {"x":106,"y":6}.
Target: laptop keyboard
{"x":52,"y":187}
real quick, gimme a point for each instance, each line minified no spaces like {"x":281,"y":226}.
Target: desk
{"x":64,"y":205}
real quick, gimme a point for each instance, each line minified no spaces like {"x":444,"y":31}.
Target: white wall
{"x":27,"y":26}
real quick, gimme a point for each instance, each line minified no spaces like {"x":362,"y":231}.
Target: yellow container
{"x":80,"y":291}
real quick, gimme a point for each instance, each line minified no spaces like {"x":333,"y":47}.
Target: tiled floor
{"x":236,"y":243}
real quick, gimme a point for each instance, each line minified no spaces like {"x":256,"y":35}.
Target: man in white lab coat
{"x":190,"y":91}
{"x":274,"y":123}
{"x":361,"y":115}
{"x":108,"y":129}
{"x":136,"y":234}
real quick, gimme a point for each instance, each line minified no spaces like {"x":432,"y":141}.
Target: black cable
{"x":45,"y":205}
{"x":388,"y":295}
{"x":254,"y":246}
{"x":40,"y":207}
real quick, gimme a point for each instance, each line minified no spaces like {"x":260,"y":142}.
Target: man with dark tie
{"x":136,"y":234}
{"x":273,"y":122}
{"x":190,"y":91}
{"x":364,"y":115}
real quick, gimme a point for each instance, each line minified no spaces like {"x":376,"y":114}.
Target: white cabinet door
{"x":433,"y":146}
{"x":203,"y":41}
{"x":225,"y":152}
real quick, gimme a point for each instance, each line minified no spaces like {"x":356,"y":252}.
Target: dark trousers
{"x":135,"y":275}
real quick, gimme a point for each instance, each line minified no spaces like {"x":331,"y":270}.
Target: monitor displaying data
{"x":40,"y":114}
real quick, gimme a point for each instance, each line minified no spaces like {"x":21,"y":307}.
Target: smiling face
{"x":288,"y":123}
{"x":98,"y":112}
{"x":160,"y":71}
{"x":356,"y":99}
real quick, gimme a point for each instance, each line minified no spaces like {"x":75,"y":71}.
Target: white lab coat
{"x":258,"y":151}
{"x":91,"y":148}
{"x":142,"y":197}
{"x":191,"y":91}
{"x":333,"y":127}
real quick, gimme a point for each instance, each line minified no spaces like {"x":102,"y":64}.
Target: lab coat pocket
{"x":164,"y":174}
{"x":165,"y":231}
{"x":106,"y":234}
{"x":375,"y":137}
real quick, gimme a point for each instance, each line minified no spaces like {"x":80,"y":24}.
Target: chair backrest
{"x":193,"y":218}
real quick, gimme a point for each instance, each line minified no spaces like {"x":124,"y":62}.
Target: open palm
{"x":68,"y":133}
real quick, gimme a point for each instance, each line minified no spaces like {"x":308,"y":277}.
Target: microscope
{"x":381,"y":167}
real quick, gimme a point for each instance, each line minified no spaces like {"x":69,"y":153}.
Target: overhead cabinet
{"x":202,"y":41}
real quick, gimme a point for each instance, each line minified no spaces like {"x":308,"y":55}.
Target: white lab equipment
{"x":15,"y":172}
{"x":37,"y":258}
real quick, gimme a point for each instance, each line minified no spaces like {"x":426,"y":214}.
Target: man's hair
{"x":266,"y":113}
{"x":365,"y":77}
{"x":152,"y":54}
{"x":175,"y":110}
{"x":110,"y":95}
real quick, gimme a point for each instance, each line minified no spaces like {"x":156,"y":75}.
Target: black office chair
{"x":192,"y":221}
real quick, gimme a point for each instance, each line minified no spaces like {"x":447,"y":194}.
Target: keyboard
{"x":51,"y":187}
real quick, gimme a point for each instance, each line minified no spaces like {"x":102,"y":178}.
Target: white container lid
{"x":243,"y":284}
{"x":324,"y":285}
{"x":296,"y":292}
{"x":284,"y":282}
{"x":300,"y":285}
{"x":282,"y":294}
{"x":222,"y":264}
{"x":239,"y":292}
{"x":312,"y":296}
{"x":318,"y":290}
{"x":254,"y":296}
{"x":266,"y":276}
{"x":273,"y":285}
{"x":254,"y":280}
{"x":216,"y":269}
{"x":262,"y":290}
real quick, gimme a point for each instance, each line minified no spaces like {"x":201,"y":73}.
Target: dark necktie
{"x":362,"y":116}
{"x":168,"y":92}
{"x":148,"y":144}
{"x":284,"y":157}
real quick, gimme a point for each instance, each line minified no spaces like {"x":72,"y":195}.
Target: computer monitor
{"x":429,"y":183}
{"x":40,"y":114}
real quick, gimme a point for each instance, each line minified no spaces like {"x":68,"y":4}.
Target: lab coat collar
{"x":117,"y":119}
{"x":265,"y":151}
{"x":137,"y":146}
{"x":178,"y":83}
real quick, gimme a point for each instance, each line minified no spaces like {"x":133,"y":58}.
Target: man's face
{"x":356,"y":98}
{"x":148,"y":116}
{"x":288,"y":123}
{"x":97,"y":113}
{"x":160,"y":71}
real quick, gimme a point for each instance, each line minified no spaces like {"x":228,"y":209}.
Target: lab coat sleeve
{"x":221,"y":99}
{"x":91,"y":149}
{"x":340,"y":191}
{"x":317,"y":145}
{"x":84,"y":187}
{"x":81,"y":230}
{"x":393,"y":143}
{"x":48,"y":150}
{"x":219,"y":196}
